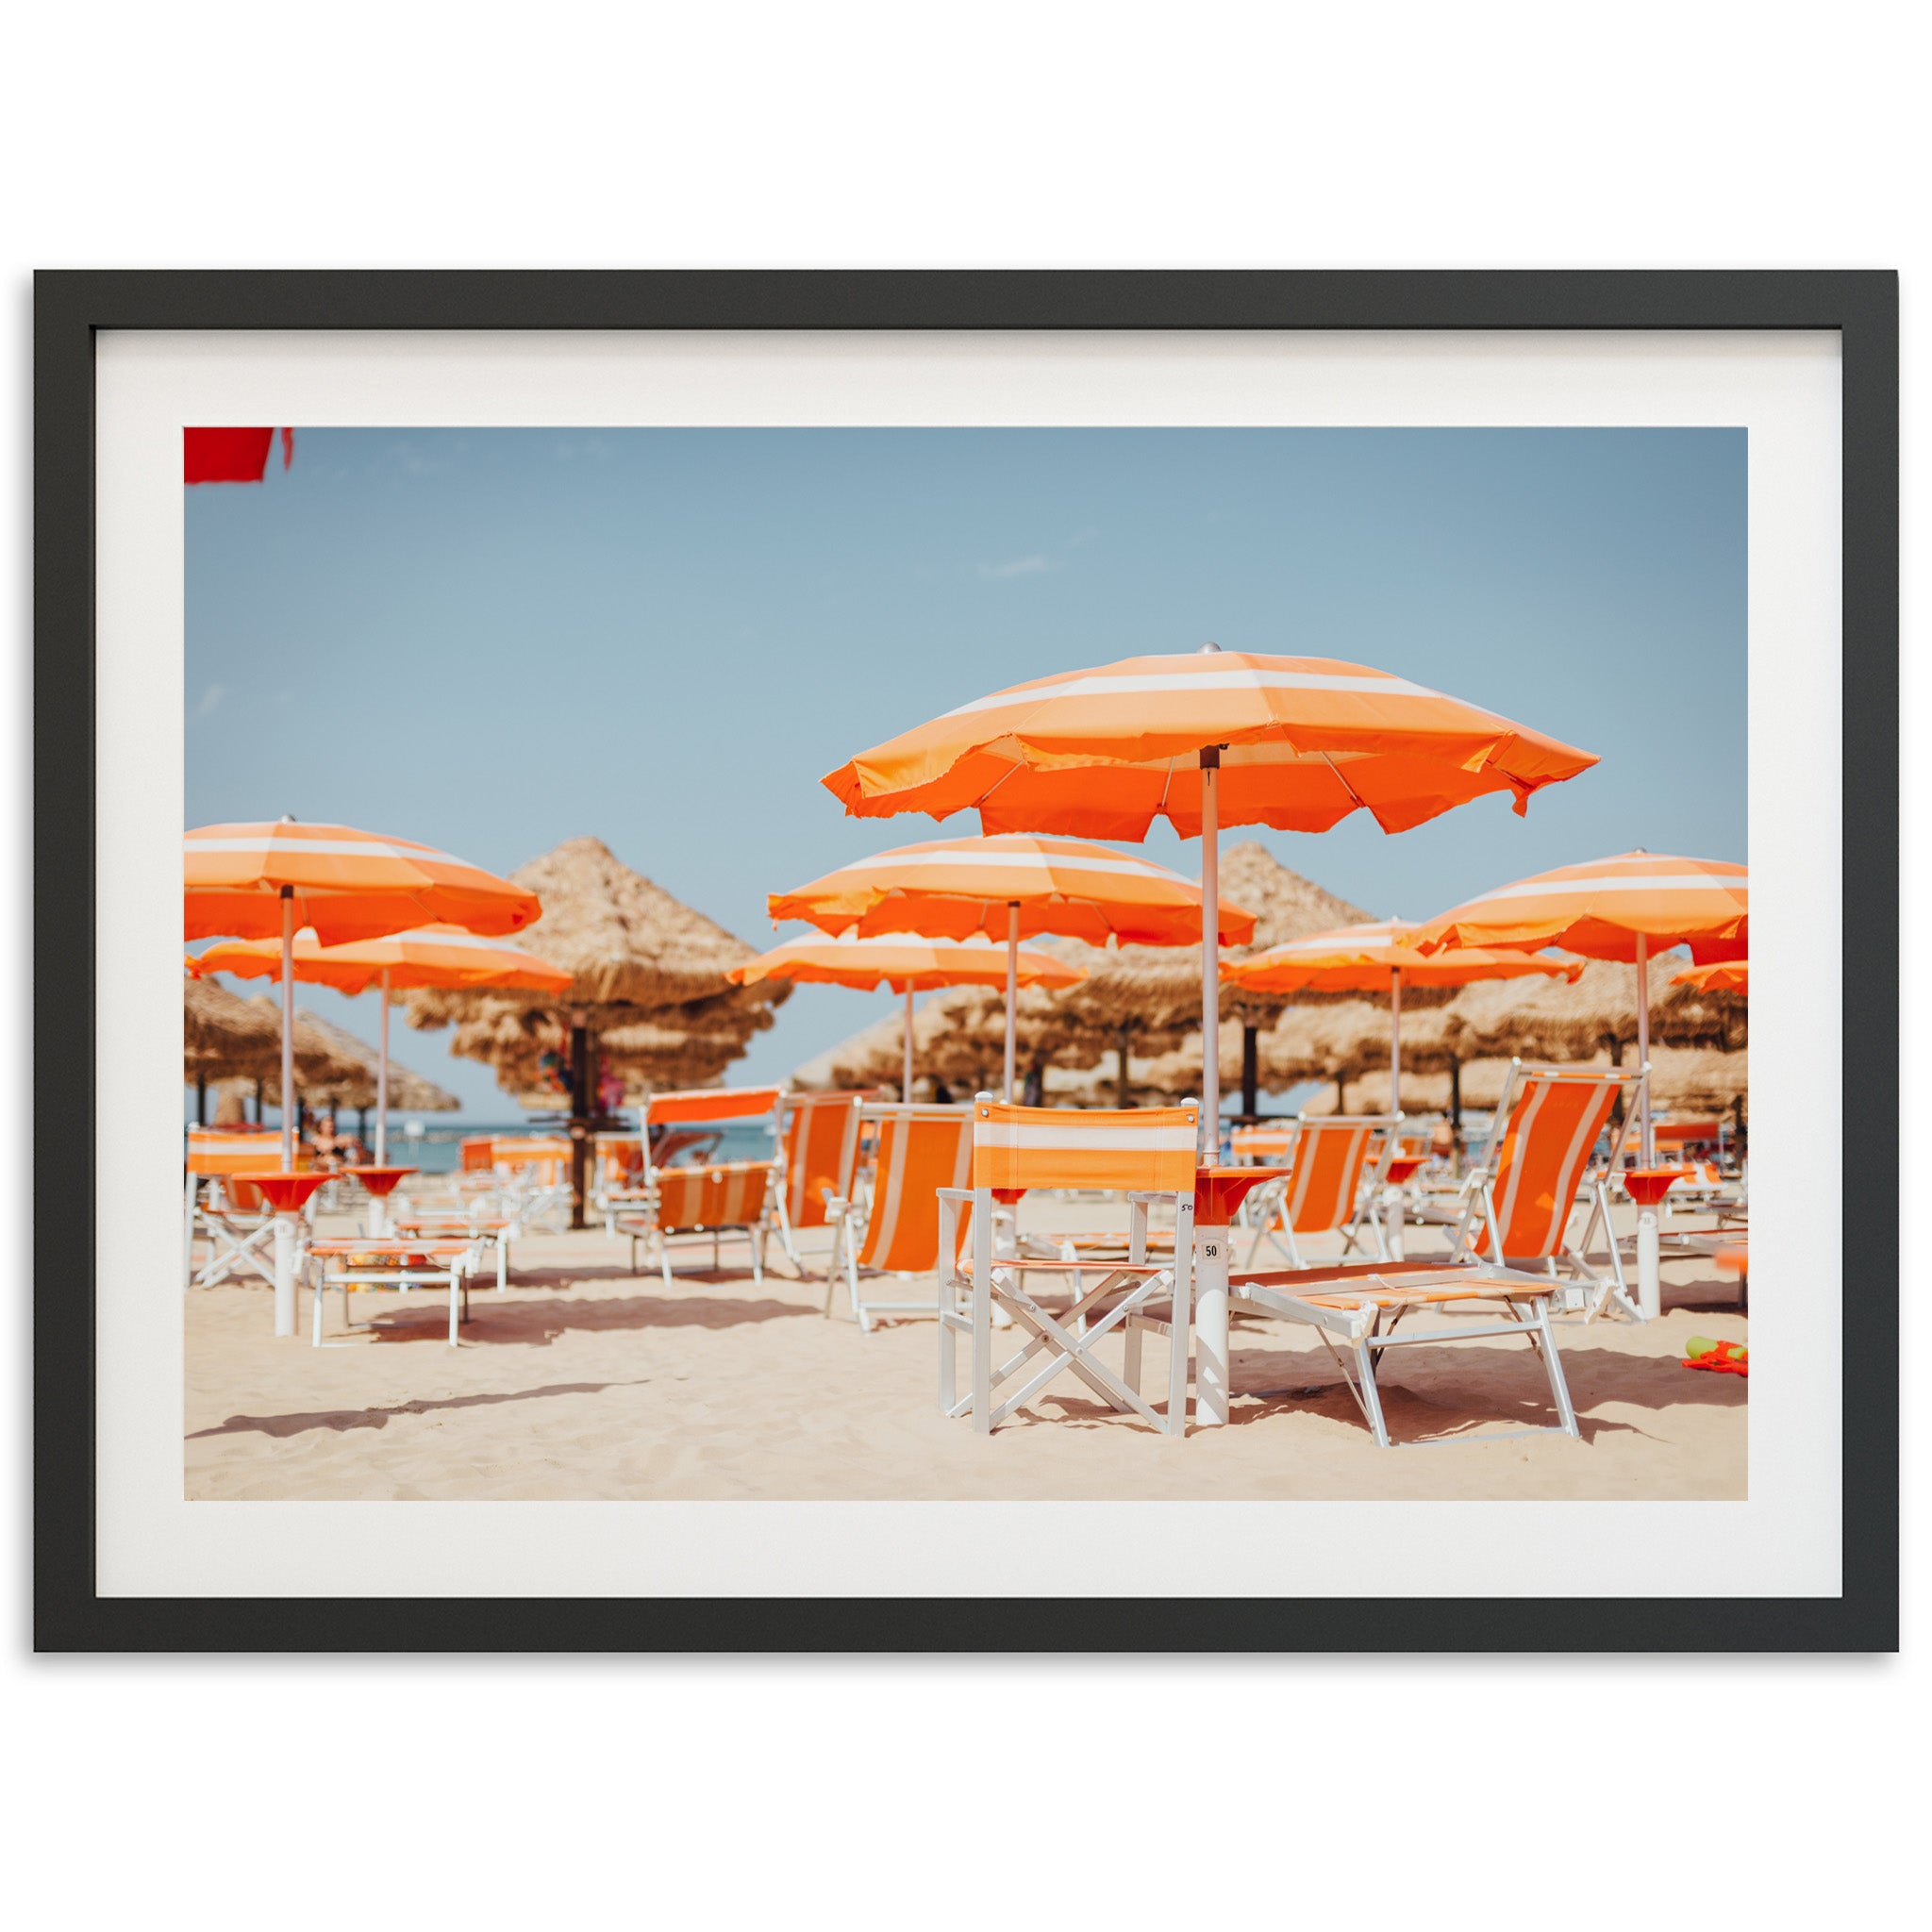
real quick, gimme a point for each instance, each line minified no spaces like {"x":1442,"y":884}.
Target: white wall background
{"x":843,"y":135}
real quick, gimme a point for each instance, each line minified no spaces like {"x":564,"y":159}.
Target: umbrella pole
{"x":288,"y":1029}
{"x":1210,"y":1242}
{"x":1012,"y":985}
{"x":1210,"y":957}
{"x":905,"y":1074}
{"x":382,"y":1079}
{"x":1395,"y":1040}
{"x":1643,"y":1145}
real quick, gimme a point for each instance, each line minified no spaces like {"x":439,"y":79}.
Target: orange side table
{"x":287,"y":1195}
{"x":1218,"y":1192}
{"x":1647,"y":1186}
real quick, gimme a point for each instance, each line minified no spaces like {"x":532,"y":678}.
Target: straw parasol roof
{"x":628,"y":944}
{"x":227,"y":1038}
{"x":1554,"y":1020}
{"x":639,"y":958}
{"x":1682,"y":1078}
{"x":350,"y":1080}
{"x":1159,"y":986}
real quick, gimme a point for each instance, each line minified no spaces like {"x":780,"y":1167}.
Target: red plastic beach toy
{"x":1720,"y":1358}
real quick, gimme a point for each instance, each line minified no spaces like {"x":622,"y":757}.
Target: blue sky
{"x":495,"y":640}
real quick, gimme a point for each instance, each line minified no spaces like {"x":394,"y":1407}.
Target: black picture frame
{"x":71,"y":308}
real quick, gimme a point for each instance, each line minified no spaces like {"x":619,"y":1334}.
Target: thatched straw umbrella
{"x":226,"y":1037}
{"x":352,"y":1075}
{"x":633,"y":952}
{"x":1554,"y":1021}
{"x":1135,"y":995}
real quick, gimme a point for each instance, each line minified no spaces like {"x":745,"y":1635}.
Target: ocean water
{"x":438,"y":1148}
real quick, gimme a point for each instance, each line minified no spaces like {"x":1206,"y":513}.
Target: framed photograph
{"x":1260,"y":1154}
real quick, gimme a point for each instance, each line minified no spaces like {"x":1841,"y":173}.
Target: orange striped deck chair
{"x":917,"y":1152}
{"x":818,"y":1138}
{"x":1334,"y":1179}
{"x":617,"y":1175}
{"x":701,"y":1202}
{"x":1537,"y":1166}
{"x":533,"y":1177}
{"x":1269,"y":1146}
{"x":1149,"y":1154}
{"x":222,"y":1207}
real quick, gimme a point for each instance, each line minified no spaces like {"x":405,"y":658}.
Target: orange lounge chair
{"x":1537,"y":1165}
{"x":695,"y":1203}
{"x":1333,"y":1182}
{"x":346,"y":1261}
{"x":818,"y":1138}
{"x":919,"y":1151}
{"x":222,"y":1207}
{"x":1149,"y":1154}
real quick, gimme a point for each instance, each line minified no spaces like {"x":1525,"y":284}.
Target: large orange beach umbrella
{"x":907,"y":962}
{"x":1011,"y":887}
{"x":1382,"y":958}
{"x":1721,"y":975}
{"x":1623,"y":908}
{"x":257,"y":880}
{"x":1204,"y":739}
{"x":426,"y":956}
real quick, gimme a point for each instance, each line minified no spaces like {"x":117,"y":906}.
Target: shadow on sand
{"x":342,"y":1419}
{"x":534,"y":1322}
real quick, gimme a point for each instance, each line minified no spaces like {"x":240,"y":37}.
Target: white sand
{"x":584,"y":1381}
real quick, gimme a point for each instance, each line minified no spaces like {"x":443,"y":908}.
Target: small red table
{"x":1218,"y":1191}
{"x":1647,"y":1186}
{"x":287,"y":1195}
{"x":381,"y":1182}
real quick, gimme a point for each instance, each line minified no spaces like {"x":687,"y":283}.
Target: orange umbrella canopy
{"x":903,"y":962}
{"x":1722,"y":976}
{"x":347,"y":884}
{"x":1103,"y":753}
{"x":1362,"y":958}
{"x":952,"y":887}
{"x":429,"y":956}
{"x":1605,"y":908}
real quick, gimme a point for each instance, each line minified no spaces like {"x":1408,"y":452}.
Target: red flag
{"x":229,"y":455}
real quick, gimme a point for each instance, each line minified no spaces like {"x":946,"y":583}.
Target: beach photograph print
{"x":965,"y":963}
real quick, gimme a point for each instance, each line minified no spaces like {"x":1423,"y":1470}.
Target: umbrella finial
{"x":1206,"y":648}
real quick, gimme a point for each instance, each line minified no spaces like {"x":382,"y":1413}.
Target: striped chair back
{"x":478,"y":1154}
{"x":1263,"y":1146}
{"x":1327,"y":1174}
{"x":731,"y":1194}
{"x":708,"y":1104}
{"x":1540,"y":1149}
{"x":620,"y":1161}
{"x":821,"y":1143}
{"x":1150,"y":1149}
{"x":547,"y":1156}
{"x":921,"y":1150}
{"x":219,"y":1150}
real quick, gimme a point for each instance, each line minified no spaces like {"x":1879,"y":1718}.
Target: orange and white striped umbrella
{"x":1360,"y":959}
{"x":907,"y":963}
{"x":258,"y":880}
{"x":1625,"y":908}
{"x":348,"y":885}
{"x":1380,"y":959}
{"x":904,"y":961}
{"x":1304,"y":742}
{"x":426,"y":956}
{"x":1721,"y":975}
{"x":1210,"y":738}
{"x":430,"y":956}
{"x":952,"y":887}
{"x":1609,"y":909}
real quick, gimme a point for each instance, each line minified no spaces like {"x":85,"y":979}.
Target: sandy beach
{"x":586,"y":1381}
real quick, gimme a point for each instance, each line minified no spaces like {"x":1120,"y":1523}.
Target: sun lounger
{"x":220,"y":1207}
{"x":920,"y":1151}
{"x":693,"y":1204}
{"x":357,"y":1261}
{"x":1148,"y":1153}
{"x":1333,"y":1182}
{"x":819,"y":1139}
{"x":1522,"y":1193}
